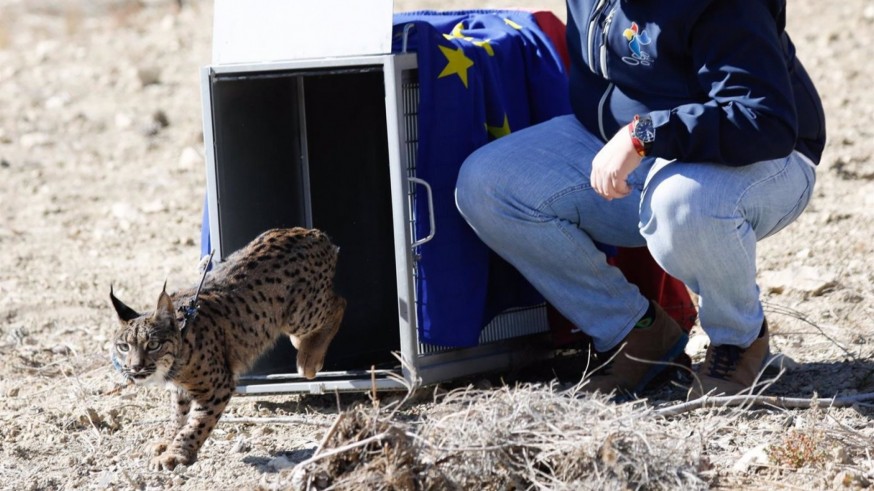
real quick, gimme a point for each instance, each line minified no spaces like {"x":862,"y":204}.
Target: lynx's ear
{"x":165,"y":304}
{"x":124,"y":312}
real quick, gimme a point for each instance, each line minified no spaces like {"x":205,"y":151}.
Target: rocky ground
{"x":102,"y":181}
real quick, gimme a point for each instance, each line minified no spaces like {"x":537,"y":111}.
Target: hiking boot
{"x":640,"y":357}
{"x":729,"y":370}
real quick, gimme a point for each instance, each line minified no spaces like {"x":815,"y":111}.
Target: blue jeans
{"x":528,"y":197}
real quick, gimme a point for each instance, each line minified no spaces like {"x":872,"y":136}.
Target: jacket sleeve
{"x":749,"y":113}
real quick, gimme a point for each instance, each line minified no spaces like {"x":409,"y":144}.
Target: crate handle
{"x":430,"y":211}
{"x":407,"y":28}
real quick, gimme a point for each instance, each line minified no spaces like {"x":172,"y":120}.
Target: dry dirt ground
{"x":102,"y":179}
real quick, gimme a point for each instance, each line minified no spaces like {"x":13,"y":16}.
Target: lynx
{"x":280,"y":283}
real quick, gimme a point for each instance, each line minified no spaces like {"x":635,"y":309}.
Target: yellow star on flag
{"x":512,"y":24}
{"x":458,"y":34}
{"x":456,"y":31}
{"x":486,"y":45}
{"x":457,"y":63}
{"x":499,"y":131}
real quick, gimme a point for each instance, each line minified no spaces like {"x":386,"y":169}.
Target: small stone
{"x":45,"y":48}
{"x":32,"y":140}
{"x":148,"y":76}
{"x":280,"y":463}
{"x":168,"y":23}
{"x":61,"y":349}
{"x":13,"y":392}
{"x":105,"y":480}
{"x":697,"y":344}
{"x":159,"y":117}
{"x":240,"y":445}
{"x":5,"y":164}
{"x":805,"y":279}
{"x":299,"y":479}
{"x":158,"y":122}
{"x":755,"y":457}
{"x":124,"y":211}
{"x":190,"y":158}
{"x":839,"y":455}
{"x":57,"y":101}
{"x":804,"y":254}
{"x":152,"y":207}
{"x":123,"y":121}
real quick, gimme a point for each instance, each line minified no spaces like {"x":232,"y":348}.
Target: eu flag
{"x":482,"y":75}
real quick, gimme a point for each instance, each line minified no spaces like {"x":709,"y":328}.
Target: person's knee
{"x":477,"y":190}
{"x":668,"y":199}
{"x":674,"y":219}
{"x":468,"y":184}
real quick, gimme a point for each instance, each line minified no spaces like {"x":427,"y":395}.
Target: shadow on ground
{"x":280,"y":460}
{"x":824,"y":380}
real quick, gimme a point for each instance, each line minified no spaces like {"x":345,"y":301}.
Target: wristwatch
{"x":642,"y":134}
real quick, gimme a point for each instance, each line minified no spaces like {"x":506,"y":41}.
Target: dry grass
{"x":524,"y":437}
{"x":538,"y":436}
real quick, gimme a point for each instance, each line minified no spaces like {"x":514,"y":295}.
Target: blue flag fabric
{"x":482,"y":75}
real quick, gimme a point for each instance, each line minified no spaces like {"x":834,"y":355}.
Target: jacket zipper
{"x":605,"y":35}
{"x":598,"y":56}
{"x":601,"y":111}
{"x":593,"y":24}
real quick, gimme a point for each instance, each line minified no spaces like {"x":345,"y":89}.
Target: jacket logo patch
{"x":637,"y":39}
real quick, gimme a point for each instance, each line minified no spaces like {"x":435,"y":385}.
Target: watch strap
{"x":642,"y":134}
{"x":639,"y":147}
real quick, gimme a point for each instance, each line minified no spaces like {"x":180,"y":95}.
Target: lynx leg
{"x":206,"y":409}
{"x":311,"y":349}
{"x":180,"y":405}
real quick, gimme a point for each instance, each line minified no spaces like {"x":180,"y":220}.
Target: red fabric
{"x":554,"y":28}
{"x":640,"y":268}
{"x":636,"y":264}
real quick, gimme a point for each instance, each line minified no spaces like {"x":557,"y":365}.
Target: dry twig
{"x":287,"y":420}
{"x":773,"y":401}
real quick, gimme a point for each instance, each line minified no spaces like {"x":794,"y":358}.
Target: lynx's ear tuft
{"x":165,"y":304}
{"x":124,"y":312}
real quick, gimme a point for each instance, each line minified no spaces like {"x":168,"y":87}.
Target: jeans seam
{"x":746,"y":190}
{"x":738,"y":204}
{"x":547,"y":203}
{"x":782,"y":172}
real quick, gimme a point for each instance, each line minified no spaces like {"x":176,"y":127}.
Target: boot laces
{"x":724,"y":360}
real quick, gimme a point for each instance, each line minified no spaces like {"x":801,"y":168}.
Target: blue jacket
{"x":719,"y":77}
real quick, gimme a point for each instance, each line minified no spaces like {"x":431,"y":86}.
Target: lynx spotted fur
{"x":281,"y":283}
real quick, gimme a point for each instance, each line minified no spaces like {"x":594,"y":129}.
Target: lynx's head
{"x":145,"y":345}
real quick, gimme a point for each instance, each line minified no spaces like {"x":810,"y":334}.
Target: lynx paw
{"x":311,"y":351}
{"x":169,"y":460}
{"x":158,"y":447}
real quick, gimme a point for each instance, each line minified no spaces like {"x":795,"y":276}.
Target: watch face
{"x":644,"y":130}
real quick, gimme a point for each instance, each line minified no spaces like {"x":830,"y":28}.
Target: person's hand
{"x":612,"y":164}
